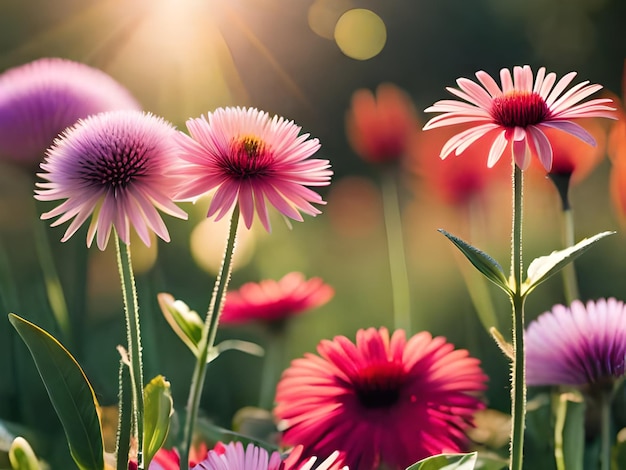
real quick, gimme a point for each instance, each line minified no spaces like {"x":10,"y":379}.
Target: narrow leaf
{"x":569,"y":430}
{"x":158,"y":408}
{"x":481,"y":261}
{"x":235,"y":345}
{"x":70,"y":393}
{"x":543,"y":267}
{"x":186,"y":323}
{"x":447,"y":462}
{"x":125,"y":417}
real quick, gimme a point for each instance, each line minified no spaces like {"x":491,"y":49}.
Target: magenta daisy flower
{"x":517,"y":113}
{"x":273,"y":301}
{"x":115,"y":166}
{"x":579,"y":345}
{"x":40,"y":99}
{"x":384,"y":401}
{"x":251,"y":159}
{"x":233,"y":456}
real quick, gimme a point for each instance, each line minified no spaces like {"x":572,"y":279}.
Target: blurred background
{"x":304,"y":59}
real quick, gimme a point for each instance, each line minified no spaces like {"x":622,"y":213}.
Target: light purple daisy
{"x":116,"y":166}
{"x":251,"y":159}
{"x":233,"y":456}
{"x":579,"y":345}
{"x":517,"y":113}
{"x":38,"y":100}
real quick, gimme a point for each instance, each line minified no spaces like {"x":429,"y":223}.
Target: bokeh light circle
{"x":360,"y":34}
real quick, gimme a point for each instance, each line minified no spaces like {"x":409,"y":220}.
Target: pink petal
{"x":489,"y":83}
{"x":559,"y":87}
{"x":573,"y":129}
{"x":521,"y":153}
{"x":497,"y":148}
{"x":475,"y":91}
{"x":542,"y":146}
{"x":506,"y":80}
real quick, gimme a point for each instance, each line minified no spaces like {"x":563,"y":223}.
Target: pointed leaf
{"x":481,"y":261}
{"x":70,"y":393}
{"x":447,"y":462}
{"x":158,"y":408}
{"x":235,"y":345}
{"x":186,"y":323}
{"x":125,"y":416}
{"x":543,"y":267}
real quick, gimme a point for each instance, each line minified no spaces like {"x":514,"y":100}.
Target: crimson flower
{"x":251,"y":159}
{"x":583,"y":344}
{"x":114,"y":167}
{"x":384,"y":401}
{"x":518,"y":113}
{"x":380,"y":127}
{"x":272,"y":301}
{"x":38,"y":100}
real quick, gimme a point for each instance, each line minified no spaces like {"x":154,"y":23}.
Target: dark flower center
{"x":249,"y":157}
{"x":379,"y":385}
{"x":115,"y":164}
{"x":519,"y":109}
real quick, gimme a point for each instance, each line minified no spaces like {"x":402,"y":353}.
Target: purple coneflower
{"x":579,"y":345}
{"x":251,"y":159}
{"x":40,"y":99}
{"x":518,"y":113}
{"x":115,"y":166}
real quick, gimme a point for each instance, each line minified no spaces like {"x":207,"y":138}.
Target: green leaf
{"x":235,"y":345}
{"x":569,"y":429}
{"x":543,"y":267}
{"x":447,"y":462}
{"x":186,"y":323}
{"x":481,"y":261}
{"x":490,"y":462}
{"x":125,"y":415}
{"x":158,"y":408}
{"x":70,"y":393}
{"x":21,"y":455}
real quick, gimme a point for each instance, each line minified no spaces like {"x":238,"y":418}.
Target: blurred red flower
{"x":380,"y":127}
{"x":272,"y":301}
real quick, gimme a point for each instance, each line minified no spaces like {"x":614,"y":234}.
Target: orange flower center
{"x":379,"y":385}
{"x":248,"y":157}
{"x":519,"y":109}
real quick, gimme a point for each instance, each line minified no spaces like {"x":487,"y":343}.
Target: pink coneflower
{"x":518,"y":113}
{"x":382,"y":401}
{"x":272,"y":301}
{"x":380,"y":127}
{"x":233,"y":456}
{"x":251,"y":159}
{"x":40,"y":99}
{"x":579,"y":345}
{"x":115,"y":166}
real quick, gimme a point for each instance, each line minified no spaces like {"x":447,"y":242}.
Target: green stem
{"x":605,"y":432}
{"x":570,"y":284}
{"x":561,"y":414}
{"x":395,"y":247}
{"x":274,"y":352}
{"x":208,"y":340}
{"x":129,"y":292}
{"x":518,"y":388}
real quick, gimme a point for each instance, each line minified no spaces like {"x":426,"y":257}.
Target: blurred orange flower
{"x":379,"y":128}
{"x":455,"y":181}
{"x":617,"y":137}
